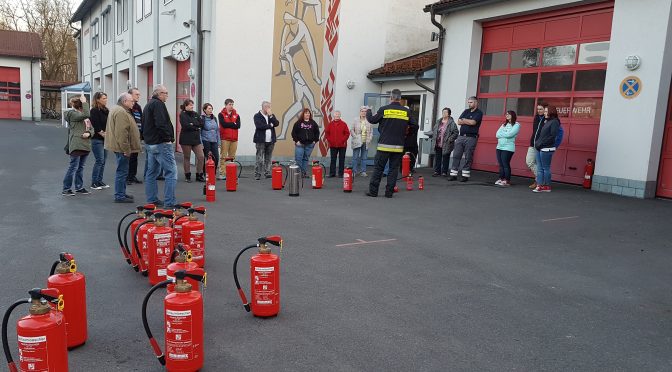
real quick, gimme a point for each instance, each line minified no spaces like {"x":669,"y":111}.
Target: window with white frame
{"x":165,"y":2}
{"x":107,"y":25}
{"x":122,"y":16}
{"x":95,"y":39}
{"x":147,"y":7}
{"x":143,"y":9}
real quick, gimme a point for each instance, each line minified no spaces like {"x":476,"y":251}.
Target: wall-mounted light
{"x":188,"y":23}
{"x":350,"y":84}
{"x":632,"y":62}
{"x":169,"y":12}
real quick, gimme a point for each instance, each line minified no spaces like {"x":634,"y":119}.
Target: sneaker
{"x":103,"y":185}
{"x":371,"y":195}
{"x":444,"y":174}
{"x":363,"y":174}
{"x":268,"y":176}
{"x":436,"y":174}
{"x":129,"y":196}
{"x":257,"y":178}
{"x":135,"y":180}
{"x":546,"y":188}
{"x":464,"y":179}
{"x":538,"y":188}
{"x":505,"y":183}
{"x":533,"y":185}
{"x":124,"y":200}
{"x":221,"y":178}
{"x":68,"y":192}
{"x":498,"y":182}
{"x":96,"y":186}
{"x":158,"y":203}
{"x":129,"y":182}
{"x":82,"y":191}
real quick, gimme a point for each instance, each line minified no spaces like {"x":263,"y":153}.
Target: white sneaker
{"x":363,"y":174}
{"x":498,"y":182}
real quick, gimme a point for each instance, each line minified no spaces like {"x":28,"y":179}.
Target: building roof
{"x":21,"y":44}
{"x":407,"y":66}
{"x":447,"y":6}
{"x":55,"y":84}
{"x":82,"y":10}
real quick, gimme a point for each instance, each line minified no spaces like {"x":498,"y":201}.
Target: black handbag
{"x":67,"y":143}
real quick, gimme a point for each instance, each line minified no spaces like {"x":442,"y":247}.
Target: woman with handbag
{"x":190,"y":140}
{"x":78,"y":147}
{"x":99,"y":113}
{"x":361,"y":136}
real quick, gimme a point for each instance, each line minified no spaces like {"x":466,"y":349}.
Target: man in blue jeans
{"x":159,"y":135}
{"x":122,"y":137}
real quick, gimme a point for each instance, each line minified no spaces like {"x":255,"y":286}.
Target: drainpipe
{"x":199,"y":35}
{"x":32,"y":91}
{"x":421,"y":85}
{"x":157,"y":47}
{"x":439,"y":64}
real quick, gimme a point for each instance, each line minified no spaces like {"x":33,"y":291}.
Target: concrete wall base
{"x":625,"y":187}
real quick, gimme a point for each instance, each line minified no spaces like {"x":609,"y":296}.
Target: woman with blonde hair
{"x":360,"y":138}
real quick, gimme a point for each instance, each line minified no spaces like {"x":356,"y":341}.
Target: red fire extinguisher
{"x":139,"y":241}
{"x":183,"y":327}
{"x":409,"y":183}
{"x":264,"y":278}
{"x":318,"y":172}
{"x":41,"y":334}
{"x":588,"y":174}
{"x":193,"y":235}
{"x":421,"y":183}
{"x":177,"y":216}
{"x":406,"y":165}
{"x":159,"y":247}
{"x":209,"y":189}
{"x":128,"y":252}
{"x":231,"y":174}
{"x":72,"y":284}
{"x":347,"y":180}
{"x":277,"y":181}
{"x":180,"y":260}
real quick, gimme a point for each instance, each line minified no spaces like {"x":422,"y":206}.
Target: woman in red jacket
{"x":337,"y":134}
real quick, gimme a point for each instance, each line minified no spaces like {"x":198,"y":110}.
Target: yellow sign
{"x":630,"y":87}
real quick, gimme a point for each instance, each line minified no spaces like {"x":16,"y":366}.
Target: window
{"x":522,"y":106}
{"x":167,"y":2}
{"x":556,"y":81}
{"x":495,"y":61}
{"x":492,"y":106}
{"x":587,"y":108}
{"x":107,"y":25}
{"x":525,"y":58}
{"x":523,"y":83}
{"x":590,"y":80}
{"x":559,"y":55}
{"x":560,"y":103}
{"x":148,"y":7}
{"x":594,"y":52}
{"x":9,"y":94}
{"x":95,"y":38}
{"x":138,"y":10}
{"x":122,"y":16}
{"x":493,"y":84}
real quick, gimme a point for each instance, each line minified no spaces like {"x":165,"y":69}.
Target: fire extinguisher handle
{"x":137,"y":248}
{"x":152,"y":341}
{"x":241,"y":293}
{"x":5,"y":320}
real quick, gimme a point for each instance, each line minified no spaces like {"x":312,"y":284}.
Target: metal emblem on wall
{"x":304,"y":65}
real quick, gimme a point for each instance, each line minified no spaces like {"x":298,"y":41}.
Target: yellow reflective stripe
{"x":390,"y":148}
{"x":395,"y":114}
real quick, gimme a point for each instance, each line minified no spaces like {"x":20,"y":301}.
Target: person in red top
{"x":337,"y":134}
{"x":229,"y":123}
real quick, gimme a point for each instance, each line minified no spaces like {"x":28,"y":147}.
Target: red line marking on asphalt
{"x":360,"y":242}
{"x":560,"y":219}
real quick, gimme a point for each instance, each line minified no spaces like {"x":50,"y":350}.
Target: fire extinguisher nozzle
{"x":136,"y":268}
{"x":128,"y":261}
{"x":145,"y":273}
{"x":247,"y":307}
{"x":162,"y":360}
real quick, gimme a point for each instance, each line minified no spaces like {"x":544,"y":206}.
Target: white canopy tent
{"x":68,"y":92}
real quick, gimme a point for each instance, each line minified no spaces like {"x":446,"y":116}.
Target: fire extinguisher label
{"x":264,"y":285}
{"x":314,"y":181}
{"x":179,"y":335}
{"x":163,"y":247}
{"x":33,"y":354}
{"x":196,"y":242}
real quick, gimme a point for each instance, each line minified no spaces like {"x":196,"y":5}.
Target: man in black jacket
{"x":470,"y":123}
{"x":395,"y":121}
{"x":137,"y":116}
{"x":531,"y":158}
{"x":264,"y":139}
{"x":159,"y":135}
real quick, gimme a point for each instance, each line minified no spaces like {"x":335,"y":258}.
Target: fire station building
{"x":606,"y":66}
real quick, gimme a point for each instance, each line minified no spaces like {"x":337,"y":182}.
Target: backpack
{"x":558,"y":138}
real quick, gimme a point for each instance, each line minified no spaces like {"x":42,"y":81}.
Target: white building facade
{"x":21,"y":55}
{"x":606,"y":65}
{"x":296,"y":54}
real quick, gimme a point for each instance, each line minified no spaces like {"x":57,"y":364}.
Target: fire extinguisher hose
{"x":124,"y":247}
{"x":53,"y":268}
{"x":246,"y":304}
{"x":5,"y":344}
{"x":137,"y":249}
{"x":126,"y":250}
{"x":152,"y":341}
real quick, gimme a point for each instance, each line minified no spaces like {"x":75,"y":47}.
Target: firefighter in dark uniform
{"x":394,"y":123}
{"x":470,"y":123}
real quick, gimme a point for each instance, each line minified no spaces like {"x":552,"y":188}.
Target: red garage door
{"x":10,"y":93}
{"x":665,"y":173}
{"x":556,"y":58}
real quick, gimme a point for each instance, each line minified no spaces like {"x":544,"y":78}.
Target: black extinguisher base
{"x":145,"y":273}
{"x":162,"y":360}
{"x":247,"y":307}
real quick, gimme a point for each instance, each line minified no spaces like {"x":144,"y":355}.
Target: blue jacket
{"x":506,"y":136}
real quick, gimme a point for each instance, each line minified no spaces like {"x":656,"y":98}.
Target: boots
{"x":199,"y":177}
{"x":188,"y":177}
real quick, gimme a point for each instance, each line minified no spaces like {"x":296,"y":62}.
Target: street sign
{"x":630,"y":87}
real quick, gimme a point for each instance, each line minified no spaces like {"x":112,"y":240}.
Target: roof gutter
{"x":445,"y":8}
{"x":439,"y":64}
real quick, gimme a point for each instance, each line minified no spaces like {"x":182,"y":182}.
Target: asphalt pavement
{"x":458,"y":277}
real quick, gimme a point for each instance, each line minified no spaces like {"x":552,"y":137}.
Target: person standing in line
{"x":190,"y":140}
{"x":506,"y":146}
{"x":229,"y":124}
{"x":465,"y":144}
{"x":123,"y":139}
{"x":80,"y":132}
{"x":531,"y":158}
{"x":444,"y":133}
{"x":264,"y":138}
{"x":305,"y":133}
{"x":210,"y":135}
{"x":137,"y":116}
{"x":159,"y":135}
{"x":392,"y":120}
{"x":337,"y":134}
{"x":361,"y":136}
{"x":545,"y":143}
{"x":99,"y":113}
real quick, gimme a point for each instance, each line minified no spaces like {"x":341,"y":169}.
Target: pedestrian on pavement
{"x":305,"y":133}
{"x":392,"y":120}
{"x":99,"y":113}
{"x":531,"y":157}
{"x":465,"y":144}
{"x":229,"y":124}
{"x":506,"y":146}
{"x":159,"y":135}
{"x":133,"y":160}
{"x":80,"y":131}
{"x":337,"y":134}
{"x":445,"y":133}
{"x":210,"y":135}
{"x":544,"y":143}
{"x":190,"y":140}
{"x":360,"y":138}
{"x":123,"y":138}
{"x":264,"y":139}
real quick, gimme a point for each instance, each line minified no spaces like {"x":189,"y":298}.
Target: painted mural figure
{"x":302,"y":41}
{"x":301,"y":91}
